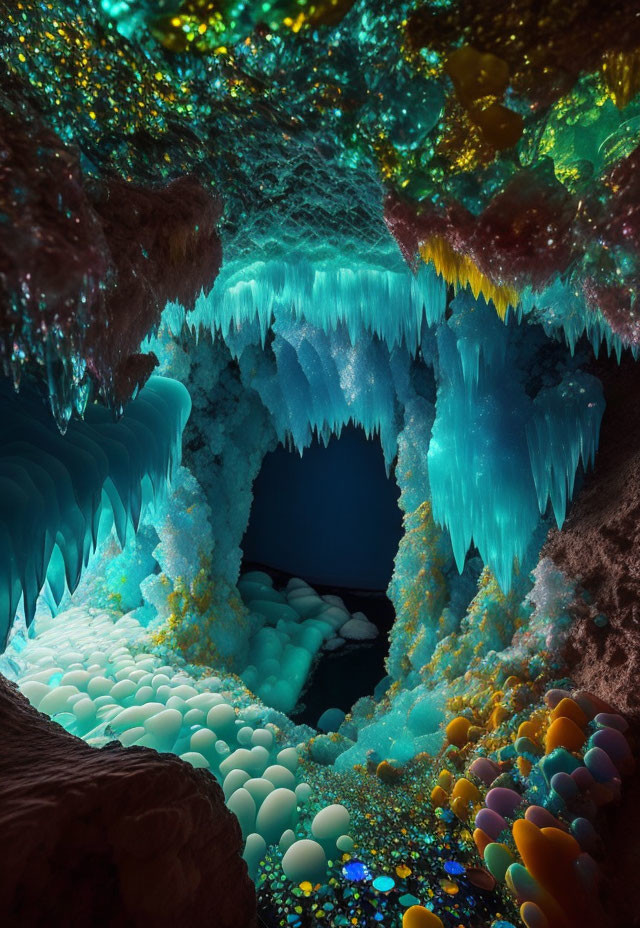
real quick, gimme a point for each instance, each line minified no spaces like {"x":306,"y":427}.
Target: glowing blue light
{"x":383,"y":884}
{"x":356,"y":872}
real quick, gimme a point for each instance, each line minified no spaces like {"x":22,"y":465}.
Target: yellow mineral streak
{"x":621,"y":72}
{"x":460,"y":271}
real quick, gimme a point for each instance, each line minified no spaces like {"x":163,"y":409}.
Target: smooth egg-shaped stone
{"x":616,"y":746}
{"x":345,"y":844}
{"x":222,"y":720}
{"x":611,"y":720}
{"x":490,"y":822}
{"x":461,"y":808}
{"x":84,"y":709}
{"x":262,"y":737}
{"x":243,"y":807}
{"x":276,"y":814}
{"x":287,"y":838}
{"x":498,"y":859}
{"x":484,"y":769}
{"x":204,"y":701}
{"x":569,"y":708}
{"x":527,"y":748}
{"x":164,"y":726}
{"x":255,"y":850}
{"x":280,"y":776}
{"x":600,"y":765}
{"x":122,"y":690}
{"x":288,"y":757}
{"x":533,"y":916}
{"x":481,"y":878}
{"x":331,"y":720}
{"x":521,"y":883}
{"x":549,"y":855}
{"x":503,"y":801}
{"x":466,"y":790}
{"x":233,"y":781}
{"x":194,"y":717}
{"x":303,"y":793}
{"x":439,"y":797}
{"x":553,"y":697}
{"x":558,"y":760}
{"x":445,"y":780}
{"x":56,"y":699}
{"x":305,"y":860}
{"x":564,"y":733}
{"x":330,"y":823}
{"x":542,"y":817}
{"x":481,"y":839}
{"x":585,"y":834}
{"x":196,"y":759}
{"x":238,"y":760}
{"x":259,"y":789}
{"x":583,"y":778}
{"x":565,"y":786}
{"x":257,"y":576}
{"x":254,"y":761}
{"x":530,"y":728}
{"x":244,"y":735}
{"x":416,"y":916}
{"x":526,"y":889}
{"x":457,"y":730}
{"x":203,"y":741}
{"x":591,"y":704}
{"x":588,"y":871}
{"x":34,"y":690}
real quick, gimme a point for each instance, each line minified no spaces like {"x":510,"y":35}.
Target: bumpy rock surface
{"x":87,"y":265}
{"x":111,"y":837}
{"x":600,"y":545}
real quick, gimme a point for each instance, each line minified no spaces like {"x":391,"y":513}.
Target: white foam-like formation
{"x":98,"y":679}
{"x":298,"y":623}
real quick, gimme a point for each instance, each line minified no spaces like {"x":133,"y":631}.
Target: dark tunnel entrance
{"x":331,"y":517}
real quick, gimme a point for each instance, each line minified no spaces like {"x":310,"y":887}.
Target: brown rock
{"x":112,"y":837}
{"x":600,"y":545}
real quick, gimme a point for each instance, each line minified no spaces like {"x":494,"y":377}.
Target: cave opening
{"x":330,"y":516}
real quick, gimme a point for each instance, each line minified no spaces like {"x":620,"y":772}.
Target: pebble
{"x":305,"y":860}
{"x":600,"y":765}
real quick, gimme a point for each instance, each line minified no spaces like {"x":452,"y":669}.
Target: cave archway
{"x":329,"y":515}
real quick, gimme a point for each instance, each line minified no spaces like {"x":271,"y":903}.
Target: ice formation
{"x":62,"y":493}
{"x":491,"y":448}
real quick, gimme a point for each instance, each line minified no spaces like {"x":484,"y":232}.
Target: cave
{"x":319,"y":463}
{"x":329,"y":515}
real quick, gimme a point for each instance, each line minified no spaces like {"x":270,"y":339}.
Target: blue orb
{"x":453,"y":868}
{"x":356,"y":872}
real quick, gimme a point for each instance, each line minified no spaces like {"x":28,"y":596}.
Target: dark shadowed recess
{"x":330,"y":516}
